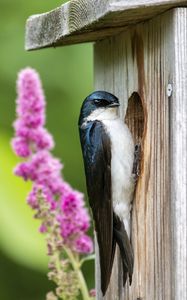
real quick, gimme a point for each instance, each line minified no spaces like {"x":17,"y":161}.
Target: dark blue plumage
{"x":95,"y":100}
{"x":96,"y":149}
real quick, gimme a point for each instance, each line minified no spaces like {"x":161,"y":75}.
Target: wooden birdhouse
{"x":140,"y":55}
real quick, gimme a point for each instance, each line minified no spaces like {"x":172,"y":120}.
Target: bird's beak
{"x":114,"y":104}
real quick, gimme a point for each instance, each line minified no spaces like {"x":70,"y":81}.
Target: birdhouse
{"x":140,"y":55}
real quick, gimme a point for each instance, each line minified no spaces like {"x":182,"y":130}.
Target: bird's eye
{"x":101,"y":102}
{"x":97,"y":101}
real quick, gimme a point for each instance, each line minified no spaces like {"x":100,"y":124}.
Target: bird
{"x":108,"y":155}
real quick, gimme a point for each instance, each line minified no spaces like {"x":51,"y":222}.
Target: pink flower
{"x":32,"y":198}
{"x":23,"y":170}
{"x":72,"y":202}
{"x":21,"y":147}
{"x":43,"y":228}
{"x":33,"y":142}
{"x":68,"y":228}
{"x":29,"y":132}
{"x":30,"y":101}
{"x":92,"y":293}
{"x":84,"y":244}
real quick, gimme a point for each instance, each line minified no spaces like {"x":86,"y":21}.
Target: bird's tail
{"x":121,"y":237}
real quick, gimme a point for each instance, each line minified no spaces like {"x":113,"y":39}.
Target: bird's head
{"x":99,"y":105}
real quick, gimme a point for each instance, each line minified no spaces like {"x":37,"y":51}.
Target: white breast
{"x":121,"y":168}
{"x":122,"y":161}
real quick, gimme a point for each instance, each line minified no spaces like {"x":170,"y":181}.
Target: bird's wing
{"x":97,"y":160}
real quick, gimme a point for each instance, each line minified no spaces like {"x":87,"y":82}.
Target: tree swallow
{"x":108,"y":153}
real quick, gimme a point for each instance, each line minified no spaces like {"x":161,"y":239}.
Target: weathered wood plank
{"x":178,"y":167}
{"x":145,"y":59}
{"x":88,"y":20}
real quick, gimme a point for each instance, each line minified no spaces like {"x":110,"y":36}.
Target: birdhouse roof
{"x":79,"y":21}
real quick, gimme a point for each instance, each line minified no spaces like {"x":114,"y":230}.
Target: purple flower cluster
{"x":33,"y":143}
{"x":30,"y":135}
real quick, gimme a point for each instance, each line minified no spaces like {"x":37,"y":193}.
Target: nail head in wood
{"x":169,"y":90}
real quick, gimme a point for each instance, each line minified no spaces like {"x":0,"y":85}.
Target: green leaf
{"x":87,"y":258}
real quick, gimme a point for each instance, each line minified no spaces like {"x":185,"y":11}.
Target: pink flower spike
{"x":61,"y":209}
{"x":30,"y":94}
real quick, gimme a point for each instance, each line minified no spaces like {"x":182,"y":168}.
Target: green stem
{"x":76,"y":267}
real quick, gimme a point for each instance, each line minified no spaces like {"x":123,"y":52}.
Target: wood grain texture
{"x":89,"y":20}
{"x":144,"y":60}
{"x":178,"y":145}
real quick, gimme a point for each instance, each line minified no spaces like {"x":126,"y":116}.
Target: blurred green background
{"x":66,"y":74}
